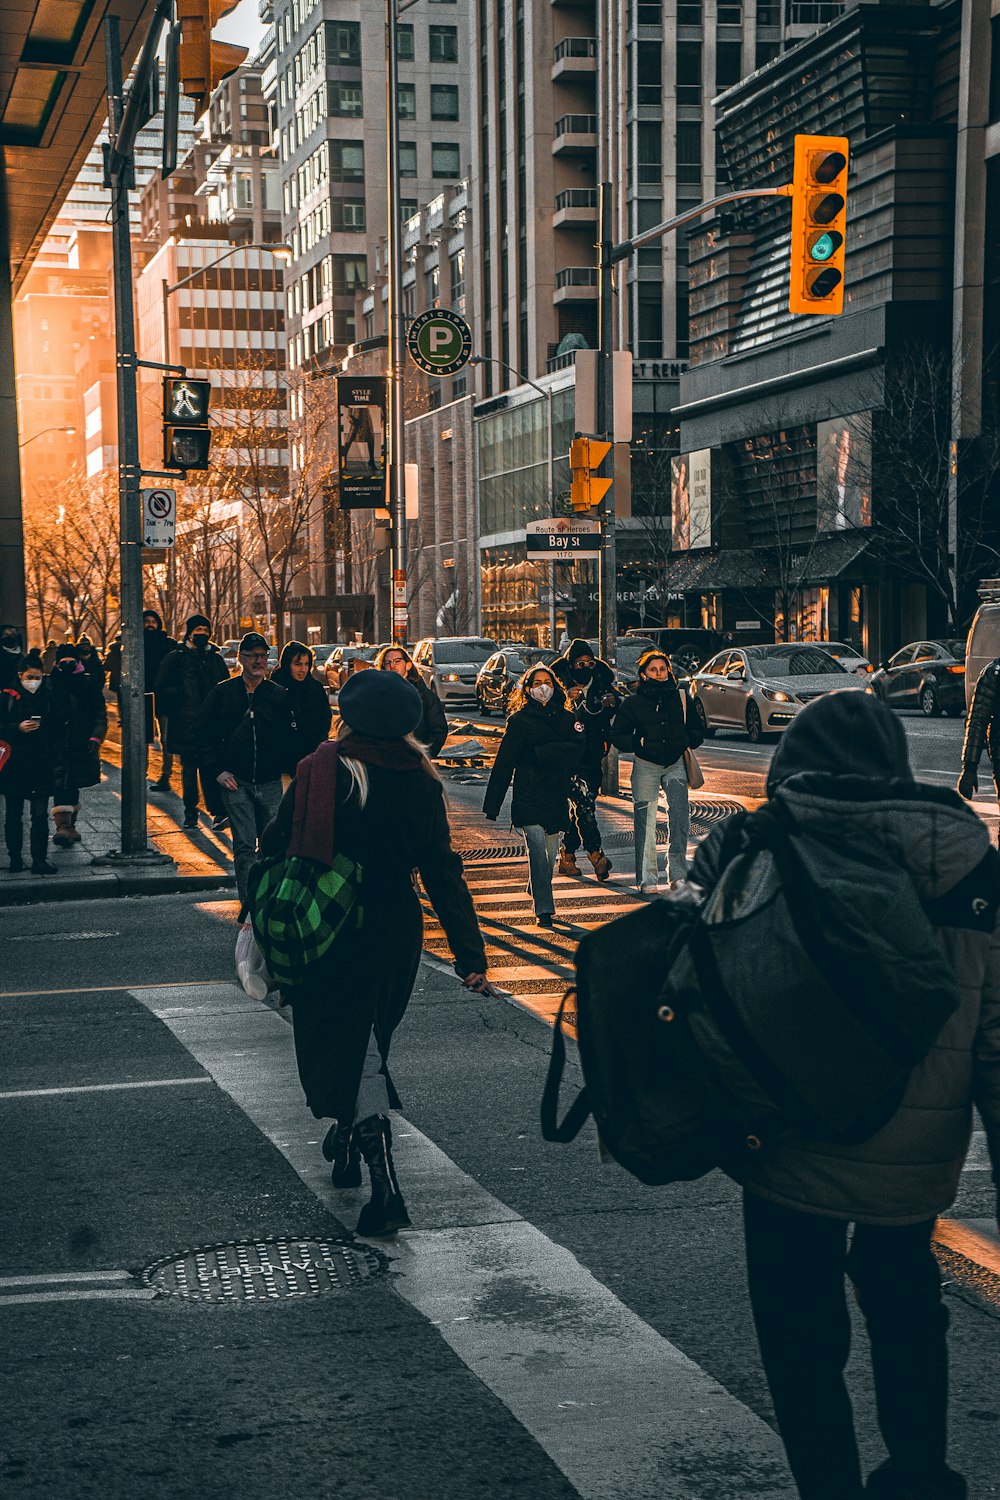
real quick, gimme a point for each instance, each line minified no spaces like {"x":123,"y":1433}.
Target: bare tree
{"x":71,"y":556}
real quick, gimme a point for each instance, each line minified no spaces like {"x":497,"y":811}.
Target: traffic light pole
{"x":396,"y":433}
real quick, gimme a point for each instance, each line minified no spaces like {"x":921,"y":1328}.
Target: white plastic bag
{"x":251,"y":969}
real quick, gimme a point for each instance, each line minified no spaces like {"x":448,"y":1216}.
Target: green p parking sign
{"x":440,"y":342}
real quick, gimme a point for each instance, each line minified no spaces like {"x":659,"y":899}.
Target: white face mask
{"x":541,"y":692}
{"x":12,"y":650}
{"x":31,"y":684}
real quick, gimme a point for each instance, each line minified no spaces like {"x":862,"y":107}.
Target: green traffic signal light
{"x":826,"y":244}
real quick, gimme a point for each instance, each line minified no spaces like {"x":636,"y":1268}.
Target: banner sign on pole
{"x":159,"y":518}
{"x":361,"y":441}
{"x":563,"y":539}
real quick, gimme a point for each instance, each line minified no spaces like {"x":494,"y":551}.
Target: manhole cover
{"x":701,"y":813}
{"x":263,"y":1270}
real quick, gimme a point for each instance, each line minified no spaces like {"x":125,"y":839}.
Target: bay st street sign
{"x":564,"y":539}
{"x":439,"y":342}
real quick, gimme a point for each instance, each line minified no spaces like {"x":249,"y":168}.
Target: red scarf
{"x":316,"y":788}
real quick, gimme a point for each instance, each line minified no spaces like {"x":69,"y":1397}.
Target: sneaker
{"x":42,"y":867}
{"x":190,"y":820}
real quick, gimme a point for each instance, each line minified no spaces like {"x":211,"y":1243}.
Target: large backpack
{"x":798,"y":999}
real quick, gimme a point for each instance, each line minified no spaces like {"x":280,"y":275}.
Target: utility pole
{"x":607,"y":596}
{"x":397,"y":341}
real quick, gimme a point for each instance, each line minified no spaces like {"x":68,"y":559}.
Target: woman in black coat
{"x":26,"y":723}
{"x":80,"y":722}
{"x":373,"y":796}
{"x":310,"y":705}
{"x":541,"y":748}
{"x":432,"y":730}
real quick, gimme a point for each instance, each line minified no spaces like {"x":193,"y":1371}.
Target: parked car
{"x":687,"y":647}
{"x":929,"y":675}
{"x":983,"y":644}
{"x":230,"y":654}
{"x":337,"y":667}
{"x":450,"y":665}
{"x":848,"y":656}
{"x":761,"y":688}
{"x":498,"y":676}
{"x":320,"y":653}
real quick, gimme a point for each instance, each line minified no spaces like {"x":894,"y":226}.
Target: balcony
{"x":575,"y":135}
{"x":576,"y":208}
{"x":574,"y":57}
{"x":560,"y":361}
{"x":575,"y":284}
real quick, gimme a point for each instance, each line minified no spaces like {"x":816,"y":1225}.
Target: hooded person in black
{"x":11,"y":651}
{"x":310,"y":705}
{"x":156,"y":645}
{"x":183,"y":682}
{"x":79,"y":724}
{"x":590,"y":688}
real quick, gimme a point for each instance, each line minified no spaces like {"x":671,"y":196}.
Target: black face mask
{"x":200,"y":642}
{"x":10,"y":643}
{"x":67,"y":665}
{"x":583,"y":674}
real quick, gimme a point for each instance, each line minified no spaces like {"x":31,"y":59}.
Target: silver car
{"x":760,"y":689}
{"x":450,"y":665}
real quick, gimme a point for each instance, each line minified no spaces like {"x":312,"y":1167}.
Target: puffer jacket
{"x":540,"y":749}
{"x":981,"y":725}
{"x":909,"y":1171}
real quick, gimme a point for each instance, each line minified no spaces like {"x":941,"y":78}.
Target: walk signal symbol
{"x":586,"y":489}
{"x":187,"y":438}
{"x":819,"y":224}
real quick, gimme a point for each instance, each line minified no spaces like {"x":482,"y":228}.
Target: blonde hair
{"x":358,"y":771}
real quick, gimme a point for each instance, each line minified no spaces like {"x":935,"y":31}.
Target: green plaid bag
{"x":298,"y":908}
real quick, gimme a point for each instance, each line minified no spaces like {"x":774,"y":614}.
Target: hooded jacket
{"x":588,"y":707}
{"x":79,"y":724}
{"x":310,"y":704}
{"x":432,"y":730}
{"x":541,"y":748}
{"x":10,"y":660}
{"x":981,"y":725}
{"x":30,"y":770}
{"x":184,"y":681}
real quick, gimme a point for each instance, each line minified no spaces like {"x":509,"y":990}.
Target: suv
{"x":449,"y":665}
{"x":688,"y":648}
{"x":983,"y":645}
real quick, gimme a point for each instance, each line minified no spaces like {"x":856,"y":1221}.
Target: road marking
{"x":96,"y":989}
{"x":95,"y":1294}
{"x":102,"y":1088}
{"x":64,"y":1278}
{"x":968,"y":1242}
{"x":582,"y":1373}
{"x":61,"y":937}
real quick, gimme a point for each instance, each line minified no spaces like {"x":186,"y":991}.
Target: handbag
{"x":298,"y":908}
{"x":5,"y":753}
{"x":695,"y":775}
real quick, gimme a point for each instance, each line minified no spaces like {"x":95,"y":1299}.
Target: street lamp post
{"x":397,"y":333}
{"x":69,"y":431}
{"x":169,"y":289}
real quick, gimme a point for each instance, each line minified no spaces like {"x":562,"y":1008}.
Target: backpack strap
{"x":579,"y":1110}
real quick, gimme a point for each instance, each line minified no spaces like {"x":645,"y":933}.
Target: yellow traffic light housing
{"x":201,"y":62}
{"x":586,"y":489}
{"x":819,"y":224}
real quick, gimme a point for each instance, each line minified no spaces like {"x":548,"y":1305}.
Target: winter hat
{"x":193,"y":622}
{"x":843,"y":734}
{"x":150,"y":614}
{"x":382,"y":705}
{"x":67,"y":649}
{"x":33,"y":660}
{"x":653,"y":654}
{"x":579,"y":648}
{"x":253,"y":641}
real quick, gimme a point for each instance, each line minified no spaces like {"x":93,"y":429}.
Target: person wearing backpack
{"x":373,"y":797}
{"x":655,"y":725}
{"x":541,"y":748}
{"x":842,"y":769}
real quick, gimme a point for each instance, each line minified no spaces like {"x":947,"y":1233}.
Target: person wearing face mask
{"x":11,"y":651}
{"x":432,"y":730}
{"x":656,"y":726}
{"x":80,"y":722}
{"x":310,"y":705}
{"x":540,"y":750}
{"x":91,"y":659}
{"x":590,"y":687}
{"x":26,"y":725}
{"x":183,"y":682}
{"x":156,"y":646}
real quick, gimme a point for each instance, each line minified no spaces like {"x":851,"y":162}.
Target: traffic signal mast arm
{"x":625,"y":249}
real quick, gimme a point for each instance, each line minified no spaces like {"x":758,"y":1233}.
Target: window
{"x":404,"y":43}
{"x":650,"y":151}
{"x":688,"y":72}
{"x":689,"y":12}
{"x":406,"y":101}
{"x":348,"y":213}
{"x":456,"y":263}
{"x":407,"y":160}
{"x":343,"y":43}
{"x":728,"y":64}
{"x":345,"y":99}
{"x":445,"y":160}
{"x":350,"y":275}
{"x":408,"y":206}
{"x":432,"y":286}
{"x":344,"y":327}
{"x":688,"y":152}
{"x":730,"y":13}
{"x":765,"y":52}
{"x":650,"y":340}
{"x":649,"y":74}
{"x":994,"y":102}
{"x":649,"y":12}
{"x":444,"y":101}
{"x":347,"y":161}
{"x":443,"y":43}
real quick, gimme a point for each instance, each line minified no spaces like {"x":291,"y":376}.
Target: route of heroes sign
{"x":563,"y":539}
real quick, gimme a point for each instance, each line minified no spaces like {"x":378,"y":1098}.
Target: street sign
{"x":159,"y":517}
{"x":564,"y":539}
{"x":439,"y":341}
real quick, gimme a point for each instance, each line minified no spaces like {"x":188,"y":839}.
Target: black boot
{"x":385,"y":1212}
{"x":340,"y":1148}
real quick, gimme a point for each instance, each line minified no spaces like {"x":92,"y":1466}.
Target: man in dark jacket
{"x":982,"y":732}
{"x":590,"y":689}
{"x":184,"y":681}
{"x":156,"y":645}
{"x":245,"y":738}
{"x":90,"y":659}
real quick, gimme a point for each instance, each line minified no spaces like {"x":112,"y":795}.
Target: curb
{"x":109,"y":886}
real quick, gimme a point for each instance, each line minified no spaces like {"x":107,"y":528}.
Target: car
{"x":849,"y":656}
{"x":686,"y":646}
{"x":449,"y":665}
{"x":337,"y":666}
{"x":498,"y":676}
{"x":760,"y":689}
{"x":929,"y":675}
{"x":231,"y":654}
{"x":320,"y":653}
{"x":983,"y":644}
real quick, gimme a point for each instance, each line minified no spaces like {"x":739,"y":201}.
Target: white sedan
{"x":760,"y":689}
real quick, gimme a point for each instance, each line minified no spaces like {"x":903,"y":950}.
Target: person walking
{"x":11,"y":651}
{"x":310,"y":704}
{"x":183,"y":682}
{"x":432,"y":730}
{"x":245,"y":739}
{"x":156,"y":645}
{"x":590,"y":688}
{"x":79,"y":724}
{"x":982,"y":732}
{"x":655,"y":724}
{"x":48,"y":657}
{"x":540,"y":750}
{"x":843,"y":764}
{"x":373,"y":796}
{"x":90,"y":659}
{"x":26,"y":723}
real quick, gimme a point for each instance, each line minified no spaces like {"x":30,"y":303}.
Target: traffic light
{"x":202,"y":62}
{"x":586,"y":489}
{"x":819,"y":224}
{"x":186,"y":435}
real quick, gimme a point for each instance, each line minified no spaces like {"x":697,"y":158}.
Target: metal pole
{"x":397,"y":347}
{"x":166,"y":321}
{"x":607,"y":586}
{"x":133,"y":718}
{"x":552,"y":506}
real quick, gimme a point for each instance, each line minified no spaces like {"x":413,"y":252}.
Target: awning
{"x":759,"y":568}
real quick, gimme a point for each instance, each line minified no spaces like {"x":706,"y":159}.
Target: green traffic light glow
{"x":822,"y":248}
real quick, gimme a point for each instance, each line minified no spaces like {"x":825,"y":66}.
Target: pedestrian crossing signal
{"x":187,"y":438}
{"x":202,"y":62}
{"x":819,"y":224}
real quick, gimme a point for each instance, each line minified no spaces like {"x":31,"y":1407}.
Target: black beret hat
{"x":382,"y":705}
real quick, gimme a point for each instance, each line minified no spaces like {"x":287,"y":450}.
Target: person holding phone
{"x":28,"y":777}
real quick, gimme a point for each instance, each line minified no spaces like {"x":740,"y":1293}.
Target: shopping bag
{"x":251,"y":969}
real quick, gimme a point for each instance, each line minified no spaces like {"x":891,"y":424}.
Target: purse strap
{"x":579,"y":1111}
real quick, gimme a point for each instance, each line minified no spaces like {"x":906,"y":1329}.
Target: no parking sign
{"x":159,"y":517}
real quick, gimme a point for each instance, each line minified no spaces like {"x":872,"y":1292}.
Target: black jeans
{"x":210,"y":790}
{"x":13,"y":826}
{"x":583,"y":829}
{"x":796,"y":1267}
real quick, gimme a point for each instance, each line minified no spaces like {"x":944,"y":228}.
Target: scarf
{"x":316,"y":789}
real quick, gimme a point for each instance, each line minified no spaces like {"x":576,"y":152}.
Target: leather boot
{"x":63,"y":836}
{"x":341,"y":1149}
{"x":601,"y":864}
{"x":567,"y":862}
{"x":74,"y":832}
{"x":888,"y":1484}
{"x":385,"y":1212}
